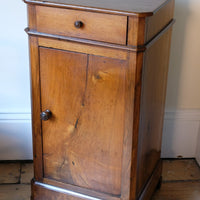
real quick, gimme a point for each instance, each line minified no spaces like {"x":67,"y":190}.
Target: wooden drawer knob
{"x":45,"y":115}
{"x":78,"y":24}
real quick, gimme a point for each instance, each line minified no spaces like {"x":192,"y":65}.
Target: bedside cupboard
{"x":98,"y":74}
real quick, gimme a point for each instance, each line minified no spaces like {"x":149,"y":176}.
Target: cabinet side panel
{"x":157,"y":22}
{"x":154,"y":79}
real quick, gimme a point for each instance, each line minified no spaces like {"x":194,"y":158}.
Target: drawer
{"x":89,"y":25}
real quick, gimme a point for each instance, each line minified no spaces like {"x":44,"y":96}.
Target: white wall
{"x":180,"y":134}
{"x":183,"y":83}
{"x":181,"y":127}
{"x":15,"y":129}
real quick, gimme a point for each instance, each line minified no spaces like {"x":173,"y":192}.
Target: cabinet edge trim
{"x":92,"y":9}
{"x":84,"y":41}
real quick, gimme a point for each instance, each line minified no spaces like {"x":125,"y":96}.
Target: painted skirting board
{"x":15,"y":136}
{"x":180,"y":135}
{"x":198,"y":148}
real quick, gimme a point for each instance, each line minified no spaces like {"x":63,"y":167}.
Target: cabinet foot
{"x":152,"y":184}
{"x":159,"y":183}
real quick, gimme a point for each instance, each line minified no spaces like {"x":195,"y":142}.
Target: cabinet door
{"x":83,"y":140}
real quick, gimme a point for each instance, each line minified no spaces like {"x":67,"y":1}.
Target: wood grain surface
{"x":105,"y":84}
{"x":179,"y":191}
{"x":15,"y":191}
{"x":26,"y":173}
{"x":174,"y":186}
{"x":84,"y":48}
{"x":153,"y":95}
{"x":180,"y":170}
{"x":9,"y":173}
{"x":84,"y":111}
{"x":159,"y":21}
{"x":96,"y":26}
{"x":126,"y":7}
{"x":35,"y":95}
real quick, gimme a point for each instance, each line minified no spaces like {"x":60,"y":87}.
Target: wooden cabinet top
{"x":127,"y":7}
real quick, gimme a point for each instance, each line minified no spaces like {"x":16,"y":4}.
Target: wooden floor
{"x":181,"y":181}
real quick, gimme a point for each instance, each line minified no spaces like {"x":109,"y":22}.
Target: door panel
{"x":83,"y":141}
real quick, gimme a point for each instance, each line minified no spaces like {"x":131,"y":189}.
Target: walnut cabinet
{"x":98,"y":75}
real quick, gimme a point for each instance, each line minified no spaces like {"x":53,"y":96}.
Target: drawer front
{"x":94,"y":26}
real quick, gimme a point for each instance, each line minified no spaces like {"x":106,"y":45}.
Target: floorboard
{"x":15,"y":192}
{"x":9,"y":173}
{"x":179,"y":191}
{"x":184,"y":169}
{"x":181,"y":180}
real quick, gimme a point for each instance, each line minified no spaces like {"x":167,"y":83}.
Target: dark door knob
{"x":78,"y":24}
{"x":45,"y":115}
